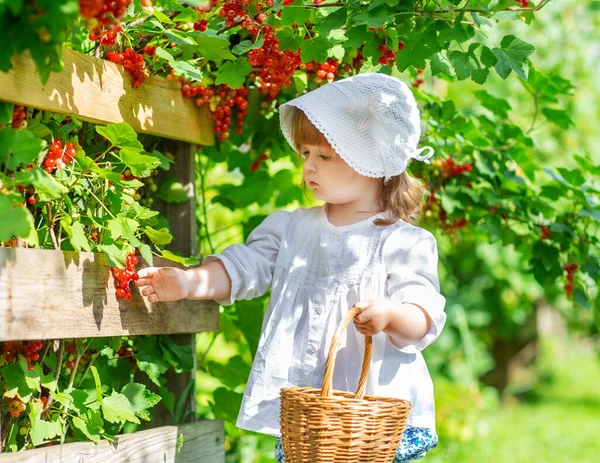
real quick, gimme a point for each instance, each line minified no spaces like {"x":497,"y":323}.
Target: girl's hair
{"x":402,"y":195}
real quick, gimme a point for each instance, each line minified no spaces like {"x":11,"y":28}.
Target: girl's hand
{"x":163,"y":284}
{"x":374,"y":318}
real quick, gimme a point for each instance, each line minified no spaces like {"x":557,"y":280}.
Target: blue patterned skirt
{"x":415,"y":443}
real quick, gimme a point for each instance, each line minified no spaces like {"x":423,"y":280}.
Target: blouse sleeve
{"x":250,"y":266}
{"x":411,"y":262}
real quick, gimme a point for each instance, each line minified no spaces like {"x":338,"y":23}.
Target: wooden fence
{"x":46,"y":294}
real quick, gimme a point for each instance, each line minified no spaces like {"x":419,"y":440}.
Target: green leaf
{"x":480,"y":75}
{"x":511,"y":56}
{"x":246,"y":45}
{"x":165,"y":162}
{"x":97,"y":383}
{"x":374,"y":17}
{"x":187,"y":261}
{"x":116,"y":257}
{"x":158,"y":237}
{"x":117,"y":409}
{"x":141,"y":165}
{"x":15,"y":382}
{"x":121,"y":135}
{"x":234,"y":73}
{"x":289,"y":40}
{"x":149,"y":359}
{"x":140,"y":399}
{"x":45,"y":184}
{"x":560,"y":117}
{"x":593,"y":213}
{"x":182,"y":68}
{"x":438,"y":66}
{"x":42,"y":430}
{"x":122,"y":227}
{"x":234,"y":373}
{"x":250,"y":315}
{"x":180,"y":357}
{"x":226,"y":404}
{"x":498,"y":106}
{"x":172,"y":191}
{"x":90,"y":430}
{"x":146,"y":253}
{"x":316,"y":49}
{"x":6,"y":112}
{"x":18,"y":147}
{"x":15,"y":221}
{"x":163,"y":18}
{"x":463,"y":64}
{"x":296,"y":13}
{"x":77,"y":236}
{"x":214,"y":46}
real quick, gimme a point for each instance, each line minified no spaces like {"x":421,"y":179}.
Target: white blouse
{"x":317,"y":272}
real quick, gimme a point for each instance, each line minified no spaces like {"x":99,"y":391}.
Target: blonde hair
{"x":400,"y":198}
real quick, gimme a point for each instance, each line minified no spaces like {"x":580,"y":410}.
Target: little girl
{"x":359,"y":249}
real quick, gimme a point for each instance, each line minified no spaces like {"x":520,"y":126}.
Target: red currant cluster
{"x":433,"y":208}
{"x":419,"y":80}
{"x":570,"y":269}
{"x":126,"y":354}
{"x":105,"y":11}
{"x":388,"y":56}
{"x":358,"y":60}
{"x":14,"y":406}
{"x":226,"y":98}
{"x":200,"y":25}
{"x":149,"y":50}
{"x":29,"y":350}
{"x":450,"y":169}
{"x":133,"y":62}
{"x":58,"y":157}
{"x":30,"y":191}
{"x":19,"y":117}
{"x":106,"y":35}
{"x":324,"y":71}
{"x":256,"y":164}
{"x":124,"y":276}
{"x":233,"y":12}
{"x":523,"y":3}
{"x":545,"y":233}
{"x":276,"y":68}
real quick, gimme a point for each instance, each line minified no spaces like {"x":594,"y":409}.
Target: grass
{"x":555,"y":421}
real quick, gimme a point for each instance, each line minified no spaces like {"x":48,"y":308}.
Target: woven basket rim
{"x":341,"y":396}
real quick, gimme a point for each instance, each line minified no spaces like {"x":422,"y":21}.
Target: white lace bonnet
{"x":371,"y":120}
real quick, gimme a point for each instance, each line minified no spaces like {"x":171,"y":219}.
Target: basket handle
{"x":366,"y":365}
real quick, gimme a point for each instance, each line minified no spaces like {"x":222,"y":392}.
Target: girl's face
{"x":334,"y":181}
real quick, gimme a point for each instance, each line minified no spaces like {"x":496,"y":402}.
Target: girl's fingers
{"x":143,"y":282}
{"x":152,"y":298}
{"x":147,"y":291}
{"x":147,"y":272}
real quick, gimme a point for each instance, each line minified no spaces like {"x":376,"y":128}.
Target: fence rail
{"x":99,"y":91}
{"x":46,"y":294}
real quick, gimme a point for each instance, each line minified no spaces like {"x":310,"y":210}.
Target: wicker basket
{"x":325,"y":426}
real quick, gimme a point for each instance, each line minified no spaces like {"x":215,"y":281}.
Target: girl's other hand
{"x":375,"y":317}
{"x":163,"y":284}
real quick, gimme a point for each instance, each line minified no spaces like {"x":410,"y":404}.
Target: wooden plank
{"x":203,"y":442}
{"x":99,"y":91}
{"x":46,"y":294}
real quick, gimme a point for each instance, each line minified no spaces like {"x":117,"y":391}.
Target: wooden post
{"x":182,"y":223}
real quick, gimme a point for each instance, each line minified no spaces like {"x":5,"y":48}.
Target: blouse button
{"x":318,"y":310}
{"x":312,"y":349}
{"x":333,"y":237}
{"x":323,"y":270}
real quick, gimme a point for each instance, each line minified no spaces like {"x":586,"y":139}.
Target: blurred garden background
{"x":516,"y":369}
